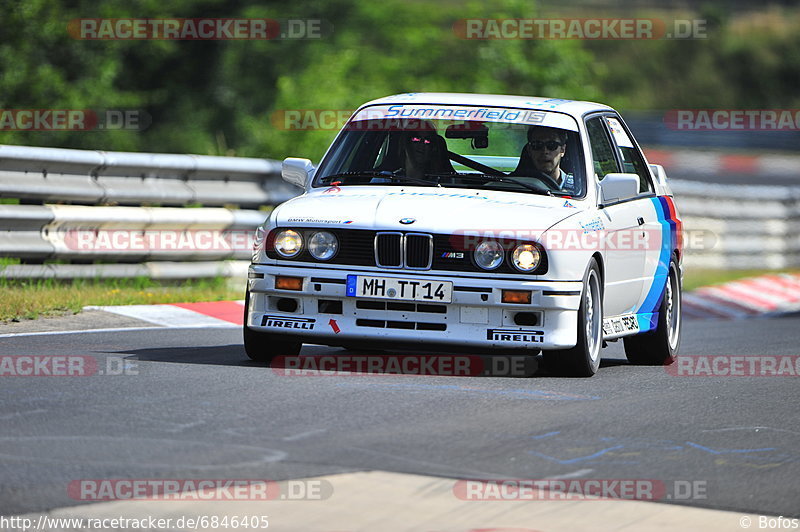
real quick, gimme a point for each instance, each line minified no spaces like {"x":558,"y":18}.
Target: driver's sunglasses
{"x":424,"y":140}
{"x":551,"y":145}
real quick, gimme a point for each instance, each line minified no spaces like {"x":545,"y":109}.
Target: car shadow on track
{"x":326,"y":361}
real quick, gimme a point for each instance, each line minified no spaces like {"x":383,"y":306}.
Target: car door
{"x":656,"y":229}
{"x":622,"y":223}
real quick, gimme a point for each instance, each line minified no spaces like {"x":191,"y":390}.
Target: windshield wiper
{"x":490,"y":177}
{"x":385,"y":174}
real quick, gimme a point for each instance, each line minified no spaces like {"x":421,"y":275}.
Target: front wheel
{"x":263,"y":347}
{"x":583,"y":360}
{"x":660,"y":346}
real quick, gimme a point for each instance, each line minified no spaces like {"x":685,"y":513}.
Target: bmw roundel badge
{"x":407,"y":221}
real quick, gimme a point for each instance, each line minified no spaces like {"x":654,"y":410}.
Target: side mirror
{"x":297,"y":171}
{"x":618,"y":187}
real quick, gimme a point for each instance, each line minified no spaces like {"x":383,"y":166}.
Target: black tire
{"x":263,"y":347}
{"x":660,"y":346}
{"x":583,"y":360}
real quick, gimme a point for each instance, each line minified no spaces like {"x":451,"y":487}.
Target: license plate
{"x":399,"y":289}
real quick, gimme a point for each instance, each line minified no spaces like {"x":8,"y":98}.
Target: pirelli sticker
{"x":287,"y":322}
{"x":515,"y":335}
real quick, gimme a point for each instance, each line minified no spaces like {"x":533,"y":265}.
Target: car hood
{"x":426,"y":209}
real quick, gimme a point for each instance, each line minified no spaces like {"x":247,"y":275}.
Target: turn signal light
{"x":288,"y":283}
{"x":520,"y":297}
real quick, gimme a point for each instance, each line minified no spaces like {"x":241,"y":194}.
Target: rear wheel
{"x":660,"y":346}
{"x":263,"y":347}
{"x":583,"y":360}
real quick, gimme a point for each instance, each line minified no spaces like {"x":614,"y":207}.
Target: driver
{"x":543,"y":152}
{"x":420,"y":153}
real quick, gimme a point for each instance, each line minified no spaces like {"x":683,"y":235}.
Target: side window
{"x":632,"y":161}
{"x":602,"y":151}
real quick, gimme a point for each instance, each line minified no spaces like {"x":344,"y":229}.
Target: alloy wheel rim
{"x":673,"y":309}
{"x":591,"y":315}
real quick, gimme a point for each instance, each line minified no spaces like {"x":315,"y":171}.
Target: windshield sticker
{"x":452,"y":112}
{"x":619,"y":134}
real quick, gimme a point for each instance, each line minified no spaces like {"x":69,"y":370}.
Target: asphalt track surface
{"x":196,"y":407}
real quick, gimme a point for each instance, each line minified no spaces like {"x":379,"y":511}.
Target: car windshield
{"x":515,"y":150}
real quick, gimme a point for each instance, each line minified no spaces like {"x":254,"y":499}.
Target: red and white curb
{"x":208,"y":314}
{"x":745,"y":298}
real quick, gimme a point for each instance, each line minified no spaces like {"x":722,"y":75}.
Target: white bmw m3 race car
{"x":452,"y":222}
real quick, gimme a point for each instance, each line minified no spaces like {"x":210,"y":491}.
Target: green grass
{"x":695,"y":278}
{"x":30,"y":299}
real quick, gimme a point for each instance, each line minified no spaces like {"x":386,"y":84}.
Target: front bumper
{"x":475,"y":318}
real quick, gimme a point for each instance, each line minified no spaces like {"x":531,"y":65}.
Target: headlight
{"x":288,"y":243}
{"x":489,"y":254}
{"x":323,"y":245}
{"x":526,"y":257}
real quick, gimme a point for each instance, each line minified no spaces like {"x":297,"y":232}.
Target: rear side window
{"x":603,"y":158}
{"x":632,"y":162}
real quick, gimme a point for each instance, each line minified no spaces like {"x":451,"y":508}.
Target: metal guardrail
{"x":95,"y":177}
{"x":126,"y":234}
{"x":743,"y":226}
{"x":73,"y":198}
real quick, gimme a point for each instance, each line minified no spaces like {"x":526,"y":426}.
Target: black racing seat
{"x":441,"y":158}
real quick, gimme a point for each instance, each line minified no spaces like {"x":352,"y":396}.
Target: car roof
{"x":572,"y":107}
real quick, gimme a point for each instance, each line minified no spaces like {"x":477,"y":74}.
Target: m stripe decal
{"x":648,"y":313}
